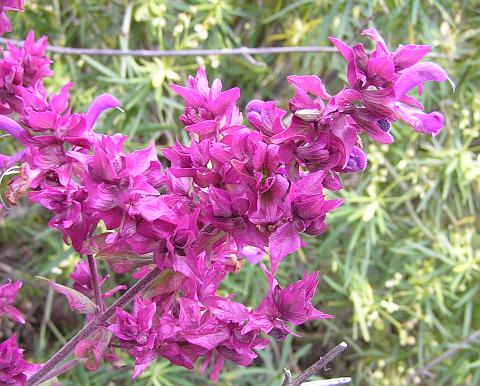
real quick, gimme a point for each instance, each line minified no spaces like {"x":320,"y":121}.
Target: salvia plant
{"x":231,"y":196}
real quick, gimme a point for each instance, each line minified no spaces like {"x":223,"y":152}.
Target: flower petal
{"x":100,"y":104}
{"x":282,"y":242}
{"x":416,"y":75}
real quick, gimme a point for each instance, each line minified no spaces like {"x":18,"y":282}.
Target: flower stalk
{"x":92,"y":327}
{"x":95,"y":284}
{"x":59,"y":370}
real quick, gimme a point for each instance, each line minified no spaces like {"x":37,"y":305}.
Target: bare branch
{"x":316,"y":368}
{"x":288,"y":377}
{"x":329,"y":382}
{"x":425,"y":370}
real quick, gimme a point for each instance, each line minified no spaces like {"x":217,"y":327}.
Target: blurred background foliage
{"x":400,"y":263}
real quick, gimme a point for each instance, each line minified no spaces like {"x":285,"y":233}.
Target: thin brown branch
{"x":329,"y":382}
{"x":316,"y":367}
{"x":245,"y":51}
{"x":288,"y":377}
{"x":425,"y":370}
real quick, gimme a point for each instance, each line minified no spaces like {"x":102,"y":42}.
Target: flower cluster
{"x":234,"y":193}
{"x":22,"y":71}
{"x":8,"y":5}
{"x":8,"y":293}
{"x":184,"y":324}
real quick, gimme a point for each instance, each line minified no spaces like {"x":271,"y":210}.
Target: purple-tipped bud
{"x":357,"y":161}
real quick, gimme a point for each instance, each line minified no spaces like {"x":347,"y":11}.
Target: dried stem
{"x":91,"y":327}
{"x":92,"y":265}
{"x":288,"y":377}
{"x":424,"y":371}
{"x":329,"y":382}
{"x":317,"y":367}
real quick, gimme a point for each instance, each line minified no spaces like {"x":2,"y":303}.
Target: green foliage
{"x":400,"y":263}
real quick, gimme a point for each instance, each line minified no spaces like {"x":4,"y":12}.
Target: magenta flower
{"x":22,"y":69}
{"x":8,"y":293}
{"x":137,"y":332}
{"x":259,"y":171}
{"x":8,"y":5}
{"x":308,"y":209}
{"x":200,"y":329}
{"x":216,"y":334}
{"x":55,"y":120}
{"x":221,"y":200}
{"x":292,"y":304}
{"x":82,"y":281}
{"x":117,"y":181}
{"x":207,"y":110}
{"x":325,"y":153}
{"x":321,"y":135}
{"x":380,"y":66}
{"x":195,"y":161}
{"x":238,"y":348}
{"x":384,"y":78}
{"x":14,"y":370}
{"x":265,"y":117}
{"x":71,"y":217}
{"x":133,"y":330}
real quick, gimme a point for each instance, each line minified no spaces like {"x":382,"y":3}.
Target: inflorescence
{"x":239,"y":190}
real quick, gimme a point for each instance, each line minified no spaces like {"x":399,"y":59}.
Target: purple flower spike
{"x":383,"y":80}
{"x":8,"y":293}
{"x":233,"y":194}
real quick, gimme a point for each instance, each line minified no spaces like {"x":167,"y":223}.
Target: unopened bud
{"x":309,"y":115}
